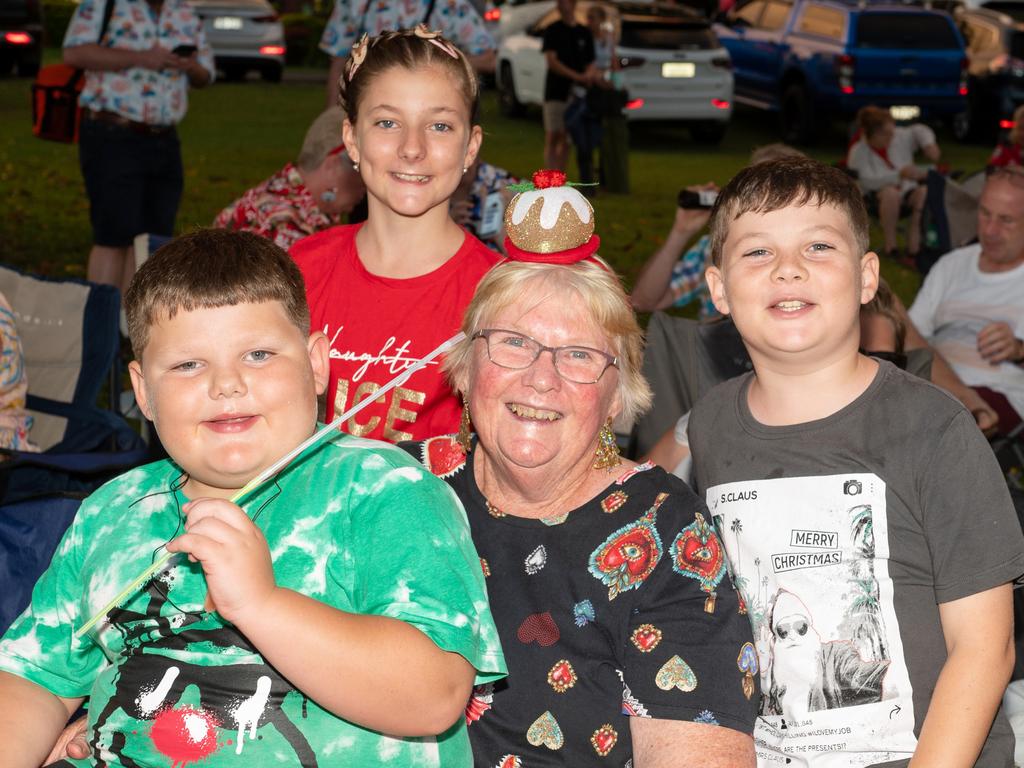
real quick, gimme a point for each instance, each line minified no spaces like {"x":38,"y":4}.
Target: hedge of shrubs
{"x":301,"y":32}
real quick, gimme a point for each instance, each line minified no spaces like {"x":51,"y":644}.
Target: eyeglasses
{"x":1012,"y":173}
{"x":517,"y":351}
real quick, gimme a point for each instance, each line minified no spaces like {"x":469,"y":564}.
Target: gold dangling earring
{"x":606,"y":456}
{"x":463,"y":438}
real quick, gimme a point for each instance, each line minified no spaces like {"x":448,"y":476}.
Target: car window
{"x":750,"y":14}
{"x":905,"y":30}
{"x":663,"y":35}
{"x":824,"y":22}
{"x":1012,"y":8}
{"x":775,"y":15}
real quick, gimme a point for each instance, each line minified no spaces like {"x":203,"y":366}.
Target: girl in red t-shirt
{"x":389,"y":290}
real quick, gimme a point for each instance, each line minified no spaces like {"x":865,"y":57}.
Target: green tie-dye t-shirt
{"x":355,"y":524}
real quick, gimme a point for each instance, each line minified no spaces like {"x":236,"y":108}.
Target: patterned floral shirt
{"x":280,"y":209}
{"x":620,"y":608}
{"x":143,"y":95}
{"x":687,"y":281}
{"x":457,"y":20}
{"x":485,"y":221}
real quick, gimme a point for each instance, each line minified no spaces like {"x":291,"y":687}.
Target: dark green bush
{"x":302,"y":34}
{"x":56,"y":15}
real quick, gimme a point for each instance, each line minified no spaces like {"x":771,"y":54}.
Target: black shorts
{"x":134,"y":181}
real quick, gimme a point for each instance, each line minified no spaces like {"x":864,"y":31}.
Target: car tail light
{"x":492,"y":14}
{"x":964,"y":65}
{"x":627,"y":62}
{"x":18,"y":38}
{"x":266,"y":19}
{"x":722,"y":62}
{"x":272,"y":50}
{"x":719,"y":103}
{"x":845,"y":70}
{"x":1006,"y":125}
{"x":634,"y":103}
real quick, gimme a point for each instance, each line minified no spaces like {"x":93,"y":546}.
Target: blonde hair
{"x":884,"y":304}
{"x":602,"y":297}
{"x":324,"y":134}
{"x":773,"y":152}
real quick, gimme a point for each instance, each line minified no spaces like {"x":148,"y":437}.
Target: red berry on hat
{"x":545,"y":179}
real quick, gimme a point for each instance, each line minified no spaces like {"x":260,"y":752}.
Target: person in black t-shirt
{"x":569,"y":53}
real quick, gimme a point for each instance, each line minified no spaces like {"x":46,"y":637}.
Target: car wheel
{"x":28,"y":68}
{"x":507,"y":99}
{"x":708,"y":131}
{"x":272,"y":74}
{"x":234,"y":72}
{"x":798,"y":126}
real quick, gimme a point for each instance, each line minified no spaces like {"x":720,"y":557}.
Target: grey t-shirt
{"x":844,"y":534}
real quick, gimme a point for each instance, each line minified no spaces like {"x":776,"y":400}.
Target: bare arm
{"x":333,"y":76}
{"x":651,"y":290}
{"x":679,"y":744}
{"x":979,"y":640}
{"x":417,"y":688}
{"x":932,"y":152}
{"x":31,"y":718}
{"x":667,"y":452}
{"x":100,"y":57}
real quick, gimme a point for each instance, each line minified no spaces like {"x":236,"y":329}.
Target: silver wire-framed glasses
{"x":511,"y":349}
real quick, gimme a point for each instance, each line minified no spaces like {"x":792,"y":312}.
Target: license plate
{"x":227,"y":22}
{"x":678,"y":69}
{"x":905,"y":112}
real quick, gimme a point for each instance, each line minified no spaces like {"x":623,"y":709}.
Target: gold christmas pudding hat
{"x":550,"y":222}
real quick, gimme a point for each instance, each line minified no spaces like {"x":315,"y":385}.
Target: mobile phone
{"x":184,"y":50}
{"x":704,"y":198}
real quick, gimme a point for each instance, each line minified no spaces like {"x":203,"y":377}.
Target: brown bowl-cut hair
{"x":212,"y":268}
{"x":775,"y":184}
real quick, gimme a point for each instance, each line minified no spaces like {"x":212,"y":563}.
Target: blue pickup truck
{"x":812,"y":61}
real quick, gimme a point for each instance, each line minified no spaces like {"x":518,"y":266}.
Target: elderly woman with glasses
{"x":624,"y":635}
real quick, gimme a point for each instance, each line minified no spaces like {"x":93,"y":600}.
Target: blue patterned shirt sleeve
{"x":687,"y":281}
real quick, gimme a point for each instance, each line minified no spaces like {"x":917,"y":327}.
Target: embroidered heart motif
{"x":604,"y":739}
{"x":747,"y":660}
{"x":510,"y":761}
{"x":676,"y":673}
{"x":536,"y":560}
{"x":697,"y":553}
{"x":562,"y":676}
{"x":546,"y":731}
{"x":540,"y":627}
{"x":613,"y":501}
{"x":443,"y":456}
{"x":646,"y":638}
{"x":583,"y":613}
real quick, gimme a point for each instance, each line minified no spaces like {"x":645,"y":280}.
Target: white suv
{"x":672,"y":65}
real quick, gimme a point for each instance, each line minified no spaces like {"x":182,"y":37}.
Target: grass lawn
{"x":236,"y":134}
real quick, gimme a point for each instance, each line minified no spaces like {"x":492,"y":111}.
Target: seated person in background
{"x":671,"y":278}
{"x":1009,"y":152}
{"x":479,"y":202}
{"x":869,"y":525}
{"x":292,"y":631}
{"x":971,"y":305}
{"x":304,"y":197}
{"x":883,"y":332}
{"x":883,"y":158}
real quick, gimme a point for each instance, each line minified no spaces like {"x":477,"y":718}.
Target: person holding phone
{"x":137,"y":77}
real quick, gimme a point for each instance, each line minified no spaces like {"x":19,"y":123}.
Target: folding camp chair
{"x":69,"y":335}
{"x":29,"y":534}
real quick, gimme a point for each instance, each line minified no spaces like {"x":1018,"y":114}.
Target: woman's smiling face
{"x":412,"y":139}
{"x":533,"y":417}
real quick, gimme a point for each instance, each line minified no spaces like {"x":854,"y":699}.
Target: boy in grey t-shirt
{"x":866,"y":521}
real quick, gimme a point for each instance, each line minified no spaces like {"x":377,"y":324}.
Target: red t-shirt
{"x":377,"y":326}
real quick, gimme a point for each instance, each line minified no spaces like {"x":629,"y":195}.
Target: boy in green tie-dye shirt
{"x":338,"y":618}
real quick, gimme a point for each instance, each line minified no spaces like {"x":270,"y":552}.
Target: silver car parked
{"x":245,"y":35}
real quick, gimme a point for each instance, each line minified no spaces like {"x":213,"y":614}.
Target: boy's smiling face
{"x":793,"y":280}
{"x":230,"y":390}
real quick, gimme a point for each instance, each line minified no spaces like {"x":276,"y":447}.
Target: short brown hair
{"x":405,"y":49}
{"x":212,"y":268}
{"x":775,"y":184}
{"x":872,"y":119}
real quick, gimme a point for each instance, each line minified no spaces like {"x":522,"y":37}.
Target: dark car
{"x":806,"y":59}
{"x":995,"y":50}
{"x":21,"y":36}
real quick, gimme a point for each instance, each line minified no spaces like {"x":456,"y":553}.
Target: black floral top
{"x":621,"y":608}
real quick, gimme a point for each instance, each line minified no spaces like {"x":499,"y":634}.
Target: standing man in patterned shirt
{"x":135,"y":93}
{"x":457,"y":20}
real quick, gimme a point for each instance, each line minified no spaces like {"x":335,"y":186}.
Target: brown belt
{"x":112,"y":118}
